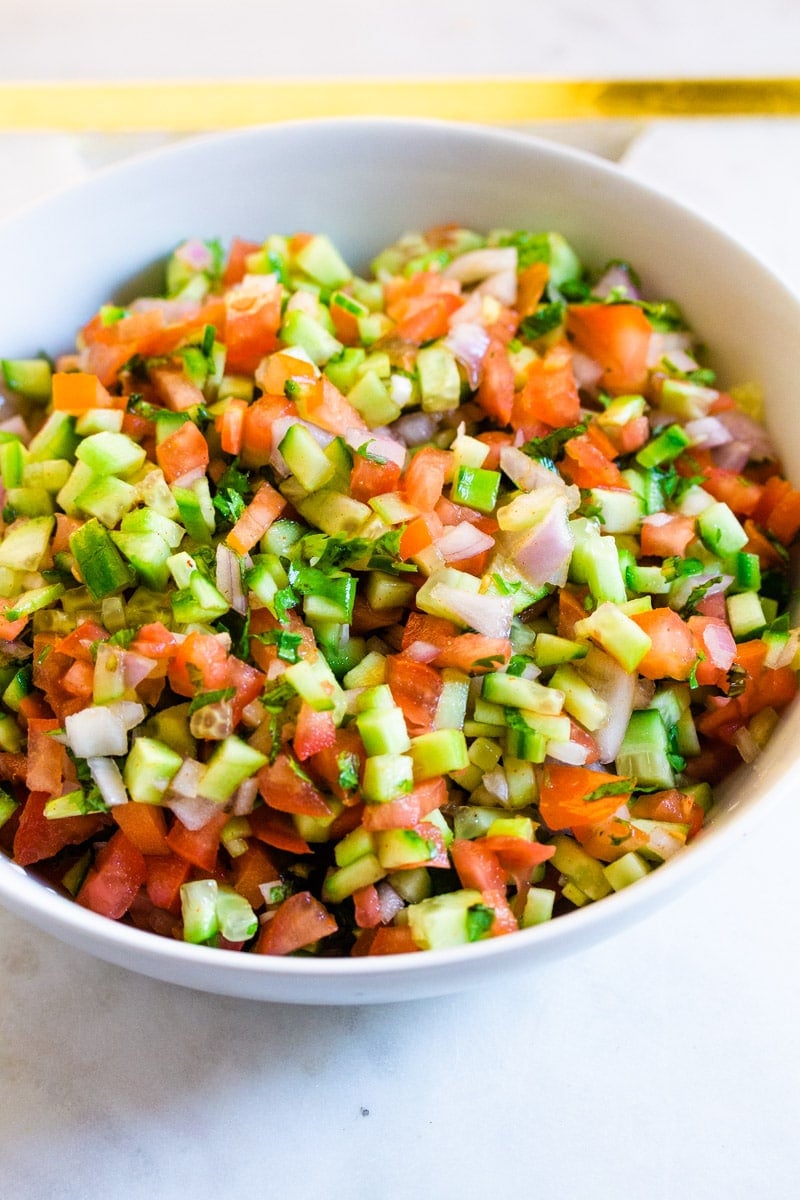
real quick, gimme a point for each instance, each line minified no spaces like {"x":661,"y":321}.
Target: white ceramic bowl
{"x":364,"y":182}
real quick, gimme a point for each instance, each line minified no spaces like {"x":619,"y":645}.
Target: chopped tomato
{"x":672,"y":652}
{"x":588,"y":467}
{"x":300,"y":921}
{"x":198,"y":846}
{"x":277,"y":829}
{"x":252,"y":869}
{"x":425,"y":477}
{"x":479,"y":867}
{"x":416,"y":688}
{"x":315,"y":731}
{"x":369,"y":478}
{"x":113,"y":882}
{"x":663,"y":539}
{"x":257,"y":425}
{"x":324,"y":405}
{"x":550,"y":394}
{"x":367,"y":907}
{"x":566,"y":795}
{"x":287,"y":788}
{"x":183,"y":451}
{"x":389,"y":939}
{"x":406,"y":811}
{"x":236,"y":266}
{"x":617,"y":336}
{"x":166,"y":875}
{"x":496,"y":391}
{"x":265,"y":507}
{"x":199,"y":664}
{"x":144,"y":825}
{"x":39,"y":837}
{"x":46,"y":758}
{"x":251,"y":328}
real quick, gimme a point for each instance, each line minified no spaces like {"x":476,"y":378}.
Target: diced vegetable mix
{"x":366,"y":616}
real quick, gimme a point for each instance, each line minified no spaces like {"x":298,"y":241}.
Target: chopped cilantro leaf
{"x":490,"y":662}
{"x":285,"y":642}
{"x":518,"y":663}
{"x":276,"y":698}
{"x":620,"y":787}
{"x":203,"y":699}
{"x":365,"y":452}
{"x":348,"y":766}
{"x":233,"y":478}
{"x":551,"y":445}
{"x":698,"y":594}
{"x":283,"y":600}
{"x":229,"y":504}
{"x":480,"y":919}
{"x":123,"y":637}
{"x":546,"y":318}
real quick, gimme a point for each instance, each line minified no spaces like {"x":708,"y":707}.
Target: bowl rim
{"x":31,"y":898}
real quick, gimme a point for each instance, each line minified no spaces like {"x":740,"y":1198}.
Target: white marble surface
{"x":664,"y":1063}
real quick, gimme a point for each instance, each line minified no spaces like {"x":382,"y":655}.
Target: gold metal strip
{"x":177,"y":106}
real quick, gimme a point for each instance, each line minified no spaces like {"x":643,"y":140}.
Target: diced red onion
{"x":463,"y":541}
{"x":229,"y":578}
{"x":503,"y":286}
{"x":130,"y":712}
{"x":16,"y":650}
{"x":489,"y":615}
{"x":470,"y":313}
{"x":381,"y":445}
{"x":469,"y":343}
{"x":415,"y":428}
{"x":186,"y":481}
{"x":573,"y":754}
{"x":193,"y":811}
{"x":542,"y":554}
{"x":96,"y":732}
{"x":195,"y":254}
{"x":479,"y":264}
{"x":782,"y":655}
{"x":675,"y":347}
{"x":743,"y":428}
{"x":734,"y":456}
{"x":401,"y":389}
{"x":106,"y":775}
{"x":303,"y":301}
{"x":645,"y":690}
{"x":746,"y":744}
{"x":135,"y":668}
{"x":720,"y":645}
{"x":617,"y":688}
{"x":527,"y":473}
{"x":496,"y":784}
{"x":587,"y":371}
{"x":707,"y":432}
{"x":17,"y":426}
{"x":616,"y":276}
{"x":187,"y":780}
{"x":713,"y":606}
{"x":682,"y":589}
{"x":422,"y":652}
{"x":244,"y":798}
{"x":391,"y":902}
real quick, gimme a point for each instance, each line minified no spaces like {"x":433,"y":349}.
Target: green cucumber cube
{"x":438,"y":753}
{"x":149,"y":770}
{"x":232,"y":762}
